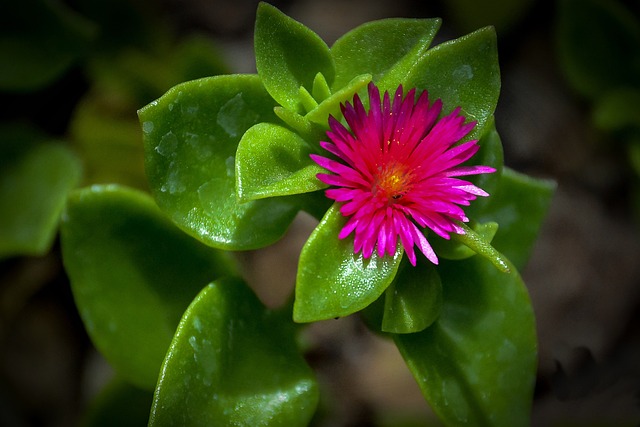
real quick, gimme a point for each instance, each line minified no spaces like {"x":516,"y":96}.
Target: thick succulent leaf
{"x":489,"y":154}
{"x":119,"y":404}
{"x":333,"y":281}
{"x":191,"y":135}
{"x":39,"y":41}
{"x":476,"y":364}
{"x":519,"y":205}
{"x":598,"y":45}
{"x":463,"y":73}
{"x":414,"y":299}
{"x":133,"y":273}
{"x":273,"y":161}
{"x":288,"y":56}
{"x":233,"y":363}
{"x":388,"y":46}
{"x":331,"y":105}
{"x":35,"y":179}
{"x":455,"y":249}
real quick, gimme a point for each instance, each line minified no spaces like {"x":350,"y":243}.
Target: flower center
{"x":392,"y":181}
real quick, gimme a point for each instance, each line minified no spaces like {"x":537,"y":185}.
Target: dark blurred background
{"x":583,"y":277}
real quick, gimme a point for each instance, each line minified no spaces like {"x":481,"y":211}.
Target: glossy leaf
{"x":388,"y":46}
{"x":598,"y":45}
{"x":455,"y":249}
{"x":519,"y":205}
{"x":414,"y":299}
{"x":476,"y":364}
{"x":35,"y":179}
{"x":334,"y":282}
{"x":273,"y":161}
{"x":191,"y":135}
{"x":133,"y":274}
{"x":119,"y":404}
{"x":288,"y":56}
{"x":331,"y":105}
{"x":233,"y":363}
{"x":463,"y":73}
{"x":39,"y":41}
{"x":490,"y":154}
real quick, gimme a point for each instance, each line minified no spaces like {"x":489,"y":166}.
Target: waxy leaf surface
{"x":414,"y":299}
{"x":387,"y":49}
{"x":288,"y":55}
{"x":463,"y":73}
{"x":233,"y":363}
{"x":133,"y":273}
{"x":273,"y":161}
{"x":333,"y":281}
{"x":476,"y":364}
{"x":519,"y":206}
{"x":191,"y":135}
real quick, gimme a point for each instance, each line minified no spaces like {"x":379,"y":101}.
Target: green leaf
{"x":489,"y":154}
{"x":519,"y":205}
{"x":191,"y":135}
{"x":288,"y":55}
{"x":463,"y":73}
{"x":388,"y":46}
{"x":477,"y":243}
{"x":119,"y":404}
{"x":273,"y":161}
{"x":133,"y":274}
{"x":39,"y":41}
{"x":598,"y":46}
{"x":233,"y":363}
{"x":333,"y":281}
{"x":455,"y":249}
{"x":35,"y":179}
{"x":331,"y":105}
{"x":413,"y":300}
{"x":476,"y":364}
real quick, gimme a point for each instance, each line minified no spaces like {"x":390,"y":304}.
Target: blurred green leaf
{"x":476,"y":364}
{"x":35,"y":177}
{"x":505,"y":15}
{"x":273,"y":161}
{"x":39,"y":41}
{"x":598,"y":46}
{"x":233,"y":363}
{"x":108,"y":139}
{"x":332,"y":281}
{"x":385,"y":48}
{"x":288,"y":55}
{"x":104,"y":127}
{"x":133,"y":274}
{"x":618,"y":110}
{"x":463,"y":73}
{"x":119,"y":404}
{"x":191,"y":135}
{"x":519,"y":206}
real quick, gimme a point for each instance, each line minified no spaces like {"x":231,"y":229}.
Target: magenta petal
{"x":395,"y":172}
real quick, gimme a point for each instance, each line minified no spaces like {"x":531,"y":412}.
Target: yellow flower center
{"x":392,"y":181}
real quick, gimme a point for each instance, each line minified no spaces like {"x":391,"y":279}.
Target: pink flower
{"x":396,"y":172}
